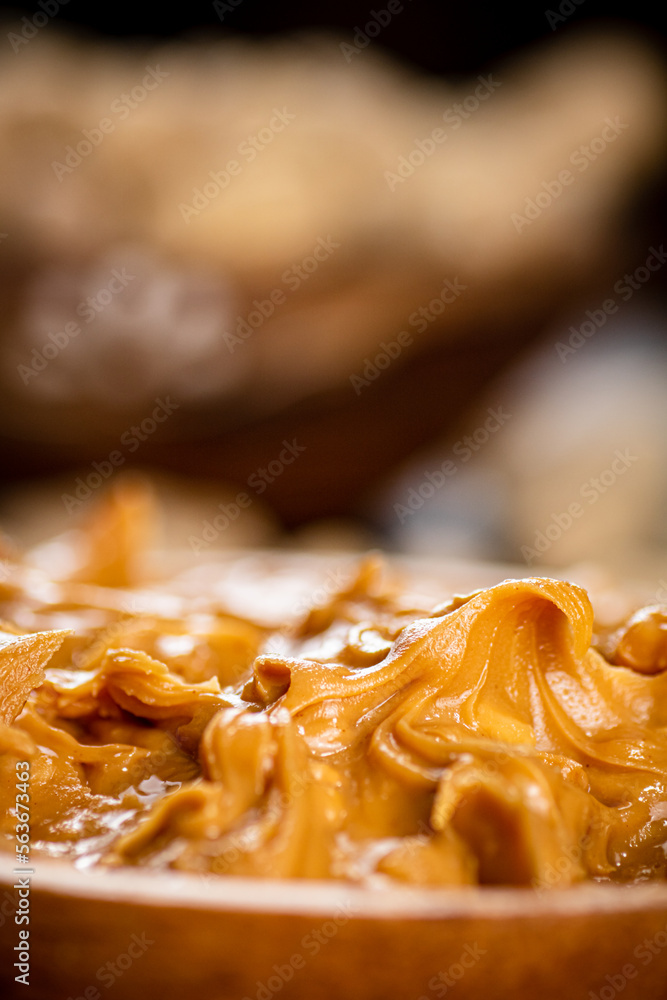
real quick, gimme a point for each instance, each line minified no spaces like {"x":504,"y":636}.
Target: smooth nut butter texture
{"x":486,"y":741}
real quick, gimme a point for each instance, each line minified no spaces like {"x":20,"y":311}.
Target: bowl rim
{"x":271,"y":896}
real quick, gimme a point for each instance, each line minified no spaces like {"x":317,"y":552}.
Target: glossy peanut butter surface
{"x":494,"y":739}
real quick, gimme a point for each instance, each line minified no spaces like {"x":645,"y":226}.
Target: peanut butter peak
{"x":22,"y":662}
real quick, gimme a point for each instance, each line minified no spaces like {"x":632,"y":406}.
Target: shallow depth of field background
{"x":368,"y":276}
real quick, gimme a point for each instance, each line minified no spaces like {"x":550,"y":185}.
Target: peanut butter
{"x":486,"y":741}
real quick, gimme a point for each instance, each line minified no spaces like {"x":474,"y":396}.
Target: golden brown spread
{"x":486,"y":741}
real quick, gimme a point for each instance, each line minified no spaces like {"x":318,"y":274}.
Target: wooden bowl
{"x":138,"y":933}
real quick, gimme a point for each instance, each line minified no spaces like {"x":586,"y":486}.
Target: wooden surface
{"x":239,"y":938}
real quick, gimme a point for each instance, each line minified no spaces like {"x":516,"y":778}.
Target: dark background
{"x":452,"y":39}
{"x":445,"y":38}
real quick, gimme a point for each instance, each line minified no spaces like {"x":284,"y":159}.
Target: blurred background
{"x":369,"y":275}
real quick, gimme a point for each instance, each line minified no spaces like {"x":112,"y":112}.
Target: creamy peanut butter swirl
{"x":483,"y":742}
